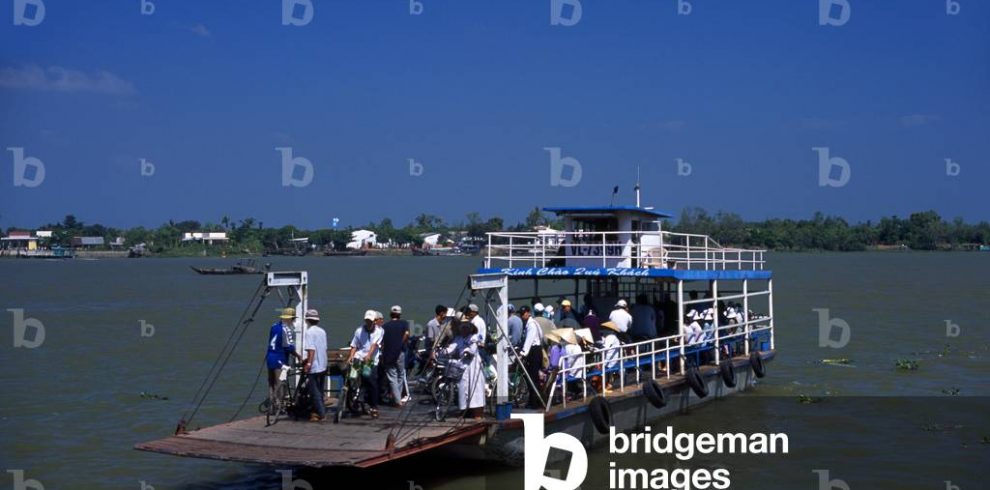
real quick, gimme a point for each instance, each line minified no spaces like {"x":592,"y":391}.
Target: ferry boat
{"x":606,"y":253}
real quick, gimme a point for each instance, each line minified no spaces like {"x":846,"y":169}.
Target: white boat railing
{"x":648,"y":353}
{"x":637,"y":249}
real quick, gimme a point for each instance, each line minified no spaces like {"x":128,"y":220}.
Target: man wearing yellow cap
{"x":281,"y":345}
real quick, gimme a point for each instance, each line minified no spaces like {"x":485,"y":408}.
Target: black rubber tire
{"x":696,"y":382}
{"x":654,"y":393}
{"x":728,"y":373}
{"x":756,"y":362}
{"x":601,"y":414}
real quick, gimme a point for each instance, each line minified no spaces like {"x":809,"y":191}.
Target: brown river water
{"x":74,"y":406}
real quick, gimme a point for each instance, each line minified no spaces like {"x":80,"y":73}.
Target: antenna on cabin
{"x":637,"y":186}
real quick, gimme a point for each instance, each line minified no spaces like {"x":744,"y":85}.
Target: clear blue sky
{"x":475,"y":90}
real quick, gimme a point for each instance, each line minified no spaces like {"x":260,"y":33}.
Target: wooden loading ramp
{"x":356,"y":442}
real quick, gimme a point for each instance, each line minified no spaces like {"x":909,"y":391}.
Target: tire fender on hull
{"x":728,"y":373}
{"x":601,"y":414}
{"x":696,"y":382}
{"x":654,"y":393}
{"x":756,"y":362}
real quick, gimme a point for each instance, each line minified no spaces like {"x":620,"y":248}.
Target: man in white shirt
{"x":315,"y":365}
{"x":478,"y":322}
{"x":532,"y":353}
{"x":365,"y":347}
{"x":622,"y":319}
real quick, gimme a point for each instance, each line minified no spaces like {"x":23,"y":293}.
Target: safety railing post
{"x":604,"y":253}
{"x":680,"y":319}
{"x":770,"y":310}
{"x":748,"y":328}
{"x":510,"y":251}
{"x":715,"y":307}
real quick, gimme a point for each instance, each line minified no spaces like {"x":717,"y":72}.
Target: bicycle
{"x":351,"y":394}
{"x":286,"y":398}
{"x":519,"y":387}
{"x":446,"y":386}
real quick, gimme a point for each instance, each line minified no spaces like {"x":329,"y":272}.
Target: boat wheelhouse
{"x":608,"y":253}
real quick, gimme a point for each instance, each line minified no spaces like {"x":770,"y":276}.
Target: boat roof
{"x":607,"y":210}
{"x":598,"y":272}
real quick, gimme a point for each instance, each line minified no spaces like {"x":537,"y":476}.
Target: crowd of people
{"x":544,"y":338}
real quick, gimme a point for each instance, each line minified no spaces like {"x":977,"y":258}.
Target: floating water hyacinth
{"x":907,"y":365}
{"x":837,"y":362}
{"x":152,"y":396}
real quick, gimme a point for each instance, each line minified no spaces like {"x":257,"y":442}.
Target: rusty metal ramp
{"x":357,"y":442}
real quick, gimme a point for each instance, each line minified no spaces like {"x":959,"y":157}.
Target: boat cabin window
{"x":646,"y":226}
{"x":589,"y":229}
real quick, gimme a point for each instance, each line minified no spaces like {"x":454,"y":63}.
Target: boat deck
{"x":363,"y":442}
{"x":356,"y":441}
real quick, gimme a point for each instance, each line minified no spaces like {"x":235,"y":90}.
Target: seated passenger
{"x":546,"y":325}
{"x":593,"y":323}
{"x":568,"y":319}
{"x":692,"y":328}
{"x":573,"y":356}
{"x":612,"y":346}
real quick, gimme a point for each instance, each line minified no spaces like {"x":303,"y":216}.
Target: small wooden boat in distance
{"x":241,"y":267}
{"x":345,"y":253}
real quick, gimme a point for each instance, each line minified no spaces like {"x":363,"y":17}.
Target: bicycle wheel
{"x":276,"y":406}
{"x":342,"y":402}
{"x":520,"y":393}
{"x":354,"y":403}
{"x":434,"y":388}
{"x":444,"y":395}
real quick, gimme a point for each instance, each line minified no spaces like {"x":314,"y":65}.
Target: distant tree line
{"x":920,"y":231}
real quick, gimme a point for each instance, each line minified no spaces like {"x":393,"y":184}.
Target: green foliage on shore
{"x":920,"y":231}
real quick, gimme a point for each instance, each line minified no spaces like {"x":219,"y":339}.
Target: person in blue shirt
{"x":281,"y":345}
